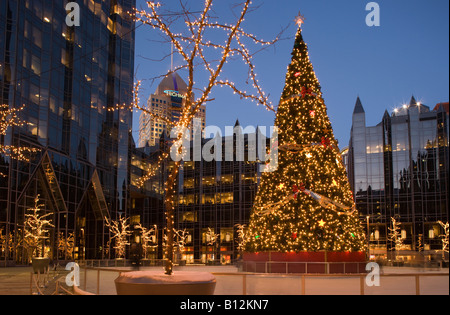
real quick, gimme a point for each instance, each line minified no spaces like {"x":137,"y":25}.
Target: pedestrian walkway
{"x":19,"y":281}
{"x":15,"y":280}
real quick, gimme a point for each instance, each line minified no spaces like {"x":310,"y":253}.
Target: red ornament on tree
{"x":306,"y":91}
{"x":326,"y":142}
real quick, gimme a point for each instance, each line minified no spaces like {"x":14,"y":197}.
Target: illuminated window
{"x":135,"y":219}
{"x":187,"y":200}
{"x":224,"y":198}
{"x":208,"y":181}
{"x":208,"y":199}
{"x":227,"y":179}
{"x":226,"y":235}
{"x":189,"y":183}
{"x":189,"y":216}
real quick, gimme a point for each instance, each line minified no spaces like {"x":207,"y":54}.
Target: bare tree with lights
{"x":36,"y":231}
{"x":181,"y":240}
{"x":147,"y":236}
{"x":444,"y":238}
{"x":120,"y":229}
{"x":395,"y":235}
{"x":212,"y":240}
{"x":241,"y":237}
{"x":201,"y":47}
{"x":66,"y":245}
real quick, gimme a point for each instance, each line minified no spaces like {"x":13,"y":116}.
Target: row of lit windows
{"x":213,"y":180}
{"x":218,"y":198}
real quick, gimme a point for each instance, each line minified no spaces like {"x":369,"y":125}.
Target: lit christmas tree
{"x":306,"y":204}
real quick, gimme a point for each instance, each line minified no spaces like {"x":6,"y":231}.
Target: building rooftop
{"x":172,"y":82}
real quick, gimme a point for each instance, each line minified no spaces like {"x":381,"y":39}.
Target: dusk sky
{"x":408,"y":54}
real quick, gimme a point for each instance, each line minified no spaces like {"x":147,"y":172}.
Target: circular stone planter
{"x":40,"y":264}
{"x":158,"y":283}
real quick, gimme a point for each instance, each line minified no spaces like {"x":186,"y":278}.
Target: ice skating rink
{"x":393,"y":281}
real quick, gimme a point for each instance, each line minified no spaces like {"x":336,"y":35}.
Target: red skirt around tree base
{"x":321,"y":262}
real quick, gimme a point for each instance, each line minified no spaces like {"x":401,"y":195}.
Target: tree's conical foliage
{"x":286,"y":219}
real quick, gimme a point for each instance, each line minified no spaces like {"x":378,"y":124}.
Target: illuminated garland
{"x":325,"y":202}
{"x":298,"y":148}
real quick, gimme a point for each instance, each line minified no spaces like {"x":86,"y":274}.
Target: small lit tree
{"x":242,"y":238}
{"x":181,"y":240}
{"x":211,"y":240}
{"x":395,"y":235}
{"x":35,"y":228}
{"x":66,"y":245}
{"x":148,"y":236}
{"x":120,"y":230}
{"x":444,"y":238}
{"x":3,"y":242}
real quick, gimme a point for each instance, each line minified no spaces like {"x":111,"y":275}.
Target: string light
{"x":9,"y":117}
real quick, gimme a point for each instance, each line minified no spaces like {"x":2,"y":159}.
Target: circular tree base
{"x":158,"y":283}
{"x":40,"y":264}
{"x":321,"y":262}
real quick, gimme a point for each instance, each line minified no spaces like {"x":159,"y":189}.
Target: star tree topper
{"x":300,"y":19}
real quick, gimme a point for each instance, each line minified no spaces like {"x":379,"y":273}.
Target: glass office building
{"x":67,"y":78}
{"x":400,"y":169}
{"x":167,"y":102}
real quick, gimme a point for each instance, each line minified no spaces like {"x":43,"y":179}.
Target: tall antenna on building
{"x":171,"y":58}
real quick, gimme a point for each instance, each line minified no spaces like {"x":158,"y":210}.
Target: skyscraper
{"x":400,"y":169}
{"x":67,"y":78}
{"x":167,"y":103}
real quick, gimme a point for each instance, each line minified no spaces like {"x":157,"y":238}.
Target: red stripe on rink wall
{"x":305,"y":262}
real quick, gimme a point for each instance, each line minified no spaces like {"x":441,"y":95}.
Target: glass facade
{"x":400,"y":169}
{"x":67,"y":78}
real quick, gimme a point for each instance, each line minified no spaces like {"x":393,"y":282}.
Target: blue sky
{"x":408,"y":54}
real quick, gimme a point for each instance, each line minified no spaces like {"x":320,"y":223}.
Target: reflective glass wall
{"x":67,"y":78}
{"x":399,"y":169}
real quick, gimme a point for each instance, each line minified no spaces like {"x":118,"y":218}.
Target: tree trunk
{"x":169,"y":206}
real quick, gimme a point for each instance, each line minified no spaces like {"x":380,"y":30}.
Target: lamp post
{"x":368,"y":236}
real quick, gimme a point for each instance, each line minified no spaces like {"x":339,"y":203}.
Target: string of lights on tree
{"x":194,"y":46}
{"x":9,"y":117}
{"x":306,"y":203}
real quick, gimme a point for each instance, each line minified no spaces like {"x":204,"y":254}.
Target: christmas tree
{"x":306,"y":204}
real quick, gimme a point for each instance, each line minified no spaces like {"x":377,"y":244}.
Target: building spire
{"x":358,"y":107}
{"x":413,"y":101}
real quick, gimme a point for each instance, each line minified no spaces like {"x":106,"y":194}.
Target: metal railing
{"x":302,"y":267}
